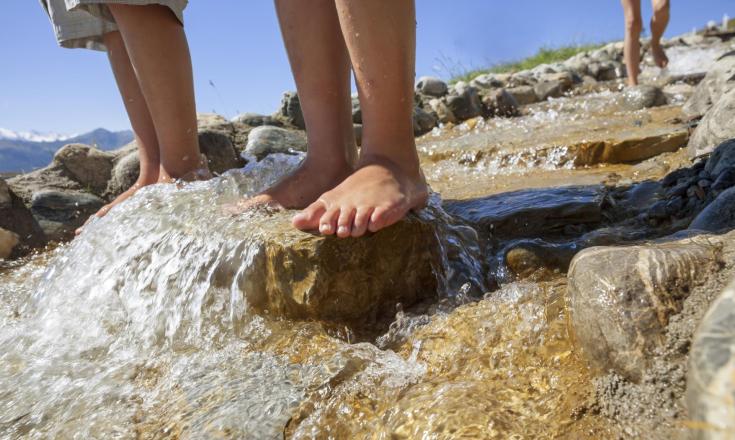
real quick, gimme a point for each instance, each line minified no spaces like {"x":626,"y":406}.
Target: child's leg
{"x":633,"y":27}
{"x":157,"y":46}
{"x":321,"y":67}
{"x":658,"y":26}
{"x":381,"y":39}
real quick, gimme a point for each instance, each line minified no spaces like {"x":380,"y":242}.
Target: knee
{"x":633,"y":24}
{"x":660,"y":7}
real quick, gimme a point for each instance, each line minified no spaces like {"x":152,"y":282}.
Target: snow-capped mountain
{"x":27,"y":151}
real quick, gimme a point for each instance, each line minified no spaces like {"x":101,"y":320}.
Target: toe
{"x":308,"y":219}
{"x":362,"y":219}
{"x":328,"y":222}
{"x":344,"y":223}
{"x":384,"y":217}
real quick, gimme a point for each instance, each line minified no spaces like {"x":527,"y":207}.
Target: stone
{"x":621,"y":298}
{"x":291,"y":110}
{"x":124,"y":174}
{"x":256,"y":120}
{"x":266,"y":140}
{"x":710,"y":390}
{"x":423,"y":121}
{"x":523,"y":95}
{"x":539,"y":259}
{"x":550,"y":89}
{"x":466,"y":103}
{"x":60,"y":213}
{"x":678,"y":93}
{"x":53,"y":177}
{"x":642,"y":96}
{"x":356,"y":110}
{"x":487,"y":81}
{"x":499,"y":103}
{"x":722,"y":158}
{"x":719,"y":215}
{"x":209,"y":119}
{"x":442,"y":111}
{"x":528,"y":213}
{"x":630,"y":149}
{"x":8,"y":242}
{"x":220,"y":153}
{"x":720,"y":80}
{"x":89,"y":166}
{"x":716,"y":126}
{"x":17,"y":218}
{"x":431,"y":86}
{"x":725,"y":180}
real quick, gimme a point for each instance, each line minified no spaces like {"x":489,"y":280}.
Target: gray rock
{"x":499,"y":102}
{"x":487,"y":81}
{"x":220,"y":153}
{"x":643,"y":96}
{"x":721,"y":159}
{"x":423,"y":121}
{"x":523,"y":95}
{"x":621,"y":298}
{"x":60,"y":213}
{"x":53,"y":177}
{"x":430,"y":86}
{"x":88,"y":166}
{"x":725,"y":179}
{"x":266,"y":140}
{"x":291,"y":110}
{"x":719,"y":80}
{"x":717,"y":216}
{"x":550,"y":89}
{"x":716,"y":126}
{"x":465,"y":103}
{"x":124,"y":174}
{"x":710,"y":389}
{"x":678,"y":93}
{"x":443,"y":112}
{"x":256,"y":120}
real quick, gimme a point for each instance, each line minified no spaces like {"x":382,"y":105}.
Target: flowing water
{"x":140,"y":328}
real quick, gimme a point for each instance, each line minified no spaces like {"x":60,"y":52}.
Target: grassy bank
{"x":545,"y":55}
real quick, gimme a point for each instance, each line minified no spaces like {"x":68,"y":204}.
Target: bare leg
{"x":140,"y":119}
{"x":381,"y":39}
{"x":157,"y":46}
{"x":633,"y":27}
{"x":321,"y":67}
{"x":658,"y":26}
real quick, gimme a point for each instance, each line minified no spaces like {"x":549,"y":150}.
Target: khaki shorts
{"x":82,"y":23}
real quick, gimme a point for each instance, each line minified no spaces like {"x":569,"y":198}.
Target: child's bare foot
{"x":659,"y":54}
{"x":377,"y":195}
{"x":300,"y":188}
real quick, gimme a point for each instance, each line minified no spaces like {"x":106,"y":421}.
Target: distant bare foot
{"x":377,"y":195}
{"x":141,"y":183}
{"x":300,"y":188}
{"x":659,"y":55}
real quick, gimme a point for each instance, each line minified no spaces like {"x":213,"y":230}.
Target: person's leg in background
{"x":659,"y":21}
{"x":633,"y":28}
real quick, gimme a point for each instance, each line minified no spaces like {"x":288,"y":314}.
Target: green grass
{"x":545,"y":55}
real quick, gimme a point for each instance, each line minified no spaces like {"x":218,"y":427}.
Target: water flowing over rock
{"x":266,"y":140}
{"x":711,"y":378}
{"x":621,"y":298}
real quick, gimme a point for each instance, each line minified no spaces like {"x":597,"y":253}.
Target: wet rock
{"x":711,"y":377}
{"x":499,"y":103}
{"x":266,"y":140}
{"x":88,"y":166}
{"x":643,"y":96}
{"x":523,"y":95}
{"x":538,"y":259}
{"x":125,"y":173}
{"x":716,"y":126}
{"x":621,"y":298}
{"x":8,"y":242}
{"x":60,"y":213}
{"x":725,"y":180}
{"x":678,"y":93}
{"x":291,"y":110}
{"x":720,"y":79}
{"x":430,"y":86}
{"x":16,"y":218}
{"x":256,"y":120}
{"x":717,"y":216}
{"x":630,"y":149}
{"x":220,"y":153}
{"x":530,"y":212}
{"x":466,"y":103}
{"x":423,"y":121}
{"x":721,"y":159}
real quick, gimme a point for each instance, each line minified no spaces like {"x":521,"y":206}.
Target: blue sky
{"x":236,"y":44}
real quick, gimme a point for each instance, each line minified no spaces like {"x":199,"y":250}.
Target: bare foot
{"x":119,"y":199}
{"x":377,"y":195}
{"x":300,"y":188}
{"x":659,"y":55}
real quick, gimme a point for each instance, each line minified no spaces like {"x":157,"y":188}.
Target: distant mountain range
{"x":27,"y":151}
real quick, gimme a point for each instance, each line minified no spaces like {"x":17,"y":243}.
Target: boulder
{"x":60,"y":213}
{"x":621,"y":298}
{"x":8,"y":242}
{"x":211,"y":119}
{"x":678,"y":93}
{"x":266,"y":140}
{"x":719,"y":215}
{"x":487,"y":81}
{"x":88,"y":166}
{"x":442,"y":111}
{"x":465,"y":103}
{"x":220,"y":153}
{"x":124,"y":174}
{"x":538,"y":259}
{"x":499,"y":103}
{"x":16,"y":218}
{"x":721,"y":159}
{"x":554,"y":88}
{"x":523,"y":95}
{"x":430,"y":86}
{"x":423,"y":121}
{"x":53,"y":177}
{"x":716,"y":126}
{"x":256,"y":120}
{"x":642,"y":96}
{"x":291,"y":110}
{"x":710,"y":389}
{"x":719,"y":80}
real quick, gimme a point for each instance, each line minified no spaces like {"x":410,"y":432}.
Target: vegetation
{"x":545,"y":55}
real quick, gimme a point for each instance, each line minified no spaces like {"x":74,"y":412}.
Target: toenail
{"x":342,"y":230}
{"x":324,"y":227}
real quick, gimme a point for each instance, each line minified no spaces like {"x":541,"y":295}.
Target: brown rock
{"x":8,"y":241}
{"x":89,"y":166}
